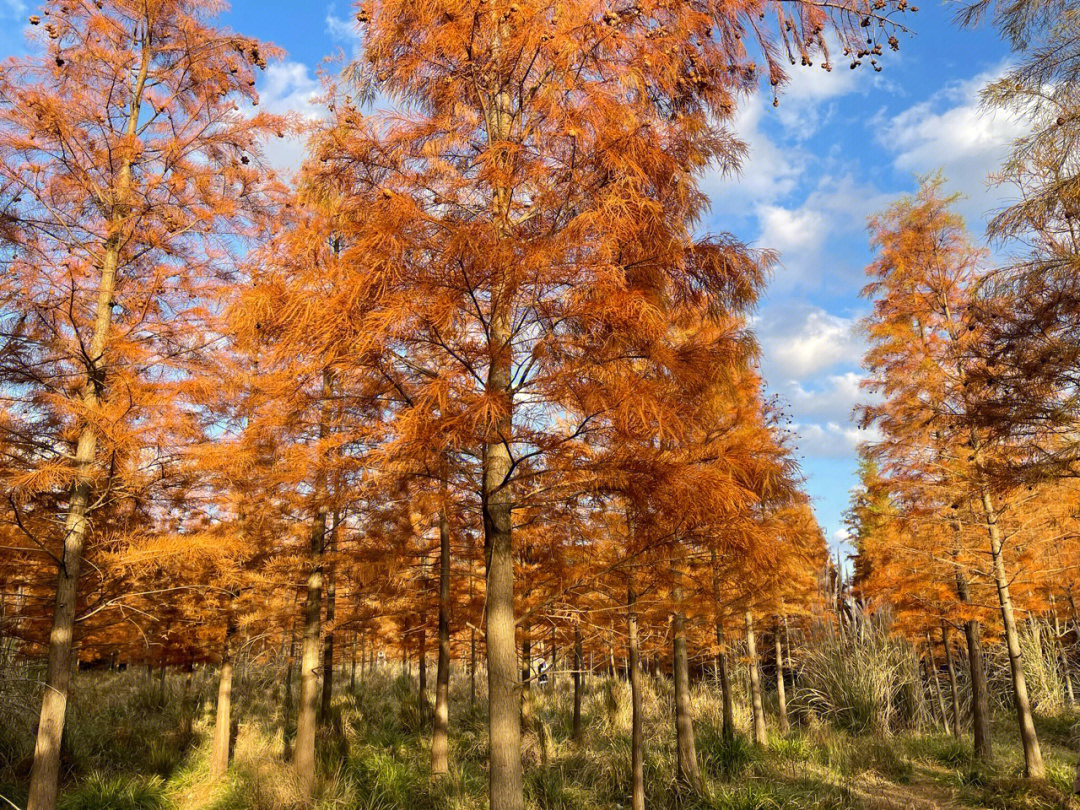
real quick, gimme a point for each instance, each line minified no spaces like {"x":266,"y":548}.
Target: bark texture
{"x":441,"y":728}
{"x":760,"y":734}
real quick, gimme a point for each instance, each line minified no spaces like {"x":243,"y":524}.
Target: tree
{"x":922,"y":333}
{"x":533,"y":195}
{"x":126,"y":165}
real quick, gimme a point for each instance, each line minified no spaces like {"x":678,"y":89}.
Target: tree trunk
{"x":1033,"y":761}
{"x":760,"y":735}
{"x":980,"y":705}
{"x":727,"y":700}
{"x":935,"y":684}
{"x":953,"y":690}
{"x":188,"y":708}
{"x":637,"y":767}
{"x":504,"y":702}
{"x":472,"y":666}
{"x":781,"y":693}
{"x":441,"y":729}
{"x":422,"y":670}
{"x":219,"y":755}
{"x":328,"y":637}
{"x":578,"y":664}
{"x":45,"y":770}
{"x":787,"y":646}
{"x":304,"y":753}
{"x":526,"y":680}
{"x":287,"y":731}
{"x":352,"y":668}
{"x":687,"y":771}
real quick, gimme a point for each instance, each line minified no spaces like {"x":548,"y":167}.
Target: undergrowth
{"x":135,"y":742}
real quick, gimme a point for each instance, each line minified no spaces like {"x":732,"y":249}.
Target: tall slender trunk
{"x":352,"y":668}
{"x":45,"y":770}
{"x":953,"y":690}
{"x":472,"y":637}
{"x":727,"y":700}
{"x":687,"y":771}
{"x":553,"y":667}
{"x":787,"y":645}
{"x":760,"y":735}
{"x":219,"y":755}
{"x":472,"y":666}
{"x":526,"y":680}
{"x":578,"y":676}
{"x":637,"y":767}
{"x":304,"y":752}
{"x":1033,"y":761}
{"x":287,"y":731}
{"x":611,"y":650}
{"x":421,"y":656}
{"x":504,"y":708}
{"x":781,"y":694}
{"x":980,"y":704}
{"x":304,"y":749}
{"x":187,"y":704}
{"x":328,"y":636}
{"x":441,"y":729}
{"x":935,"y":683}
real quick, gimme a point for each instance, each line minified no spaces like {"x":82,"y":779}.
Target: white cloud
{"x":803,"y":234}
{"x":289,"y":88}
{"x":772,"y":170}
{"x":343,"y":31}
{"x":830,"y":399}
{"x":805,"y":101}
{"x":767,"y":172}
{"x":951,"y":130}
{"x":789,"y":230}
{"x":798,"y":342}
{"x":829,"y":440}
{"x":800,"y":345}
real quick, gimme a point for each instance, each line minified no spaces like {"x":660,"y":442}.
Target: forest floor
{"x":127,"y":748}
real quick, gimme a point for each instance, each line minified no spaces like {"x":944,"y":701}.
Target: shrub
{"x":861,"y":681}
{"x":100,"y":792}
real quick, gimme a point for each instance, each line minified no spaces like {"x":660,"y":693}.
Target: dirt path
{"x":921,"y":793}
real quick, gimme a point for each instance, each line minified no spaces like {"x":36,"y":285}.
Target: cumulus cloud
{"x":767,"y":172}
{"x":806,"y":102}
{"x":776,"y":158}
{"x":786,"y":230}
{"x":831,"y":398}
{"x":810,"y":356}
{"x":803,"y":233}
{"x":799,"y":341}
{"x":289,"y":88}
{"x":951,"y":130}
{"x":829,"y":440}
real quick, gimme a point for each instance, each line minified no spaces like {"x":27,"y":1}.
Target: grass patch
{"x":113,"y":792}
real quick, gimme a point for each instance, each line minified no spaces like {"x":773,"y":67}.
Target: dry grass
{"x":125,"y":750}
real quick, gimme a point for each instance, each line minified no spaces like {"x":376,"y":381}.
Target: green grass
{"x":127,"y":749}
{"x":104,"y":792}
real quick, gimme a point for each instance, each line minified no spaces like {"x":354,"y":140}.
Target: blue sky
{"x":838,"y":148}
